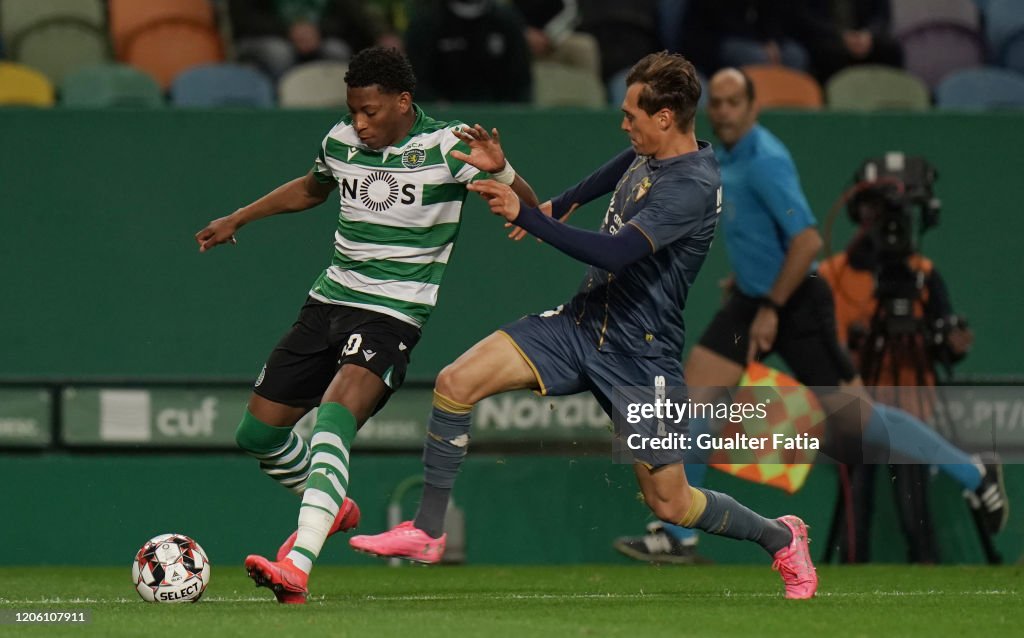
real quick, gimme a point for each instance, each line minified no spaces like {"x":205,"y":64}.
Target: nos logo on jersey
{"x":378,"y":191}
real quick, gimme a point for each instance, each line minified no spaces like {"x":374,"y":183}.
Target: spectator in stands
{"x":469,"y":51}
{"x":626,"y":31}
{"x":735,"y":33}
{"x":278,"y":34}
{"x":551,"y":34}
{"x":841,"y":33}
{"x":394,"y":16}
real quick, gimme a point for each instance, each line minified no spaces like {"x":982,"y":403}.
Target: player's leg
{"x":667,"y":543}
{"x":372,"y":351}
{"x":490,"y":367}
{"x":717,"y":362}
{"x":347,"y":404}
{"x":536,"y":353}
{"x":616,"y":379}
{"x":325,"y":509}
{"x":289,"y":386}
{"x":673,"y":500}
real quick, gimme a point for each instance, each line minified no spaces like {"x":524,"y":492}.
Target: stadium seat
{"x":876,"y":88}
{"x":1004,"y":23}
{"x":939,"y":37}
{"x":560,"y":85}
{"x":1013,"y":53}
{"x":166,"y":49}
{"x":909,"y":15}
{"x":314,"y":85}
{"x":18,"y":15}
{"x":129,"y":17}
{"x":777,"y":86}
{"x":934,"y":52}
{"x":23,"y":86}
{"x":57,"y":47}
{"x":216,"y":85}
{"x":110,"y":85}
{"x":983,"y":89}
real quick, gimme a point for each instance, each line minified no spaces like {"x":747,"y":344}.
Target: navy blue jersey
{"x":675,"y":204}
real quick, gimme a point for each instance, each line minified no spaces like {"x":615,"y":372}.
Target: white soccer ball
{"x":171,"y":568}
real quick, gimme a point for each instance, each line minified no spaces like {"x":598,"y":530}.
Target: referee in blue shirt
{"x":777,"y":304}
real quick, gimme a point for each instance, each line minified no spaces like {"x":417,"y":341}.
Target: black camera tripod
{"x":896,"y":339}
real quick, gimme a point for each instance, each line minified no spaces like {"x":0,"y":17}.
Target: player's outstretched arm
{"x":297,"y":195}
{"x":487,"y":155}
{"x":609,"y":252}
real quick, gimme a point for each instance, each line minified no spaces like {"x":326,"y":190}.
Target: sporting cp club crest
{"x":413,"y":157}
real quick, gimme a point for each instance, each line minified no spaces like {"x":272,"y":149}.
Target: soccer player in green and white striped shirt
{"x":401,"y":178}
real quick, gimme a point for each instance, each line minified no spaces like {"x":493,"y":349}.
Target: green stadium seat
{"x":876,"y":88}
{"x":560,"y":85}
{"x":58,"y":47}
{"x":18,"y":15}
{"x":110,"y":85}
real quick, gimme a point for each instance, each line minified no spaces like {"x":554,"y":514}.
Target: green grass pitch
{"x":524,"y":602}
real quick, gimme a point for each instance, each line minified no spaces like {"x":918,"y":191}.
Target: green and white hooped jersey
{"x":400,"y":214}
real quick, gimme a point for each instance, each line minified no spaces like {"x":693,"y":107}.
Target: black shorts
{"x":806,"y":341}
{"x":328,"y":336}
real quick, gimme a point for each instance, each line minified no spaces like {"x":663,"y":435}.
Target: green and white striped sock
{"x":289,"y":465}
{"x":327,"y":483}
{"x":283,"y":455}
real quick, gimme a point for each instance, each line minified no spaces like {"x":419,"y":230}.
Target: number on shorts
{"x":353,"y":344}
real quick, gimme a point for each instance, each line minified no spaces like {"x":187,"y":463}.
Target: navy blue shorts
{"x":566,"y":361}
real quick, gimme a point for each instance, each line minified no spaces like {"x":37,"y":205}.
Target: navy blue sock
{"x":443,"y":452}
{"x":725,"y":516}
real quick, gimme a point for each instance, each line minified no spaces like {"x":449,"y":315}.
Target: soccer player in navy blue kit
{"x":778,"y":303}
{"x":623,"y":328}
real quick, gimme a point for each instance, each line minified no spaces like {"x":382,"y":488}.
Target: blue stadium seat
{"x":1013,"y":53}
{"x":983,"y":89}
{"x":214,"y":85}
{"x":1004,"y":22}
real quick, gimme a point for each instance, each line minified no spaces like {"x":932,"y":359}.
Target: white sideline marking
{"x":513,"y":596}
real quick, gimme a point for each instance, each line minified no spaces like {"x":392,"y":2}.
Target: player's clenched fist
{"x":219,"y":231}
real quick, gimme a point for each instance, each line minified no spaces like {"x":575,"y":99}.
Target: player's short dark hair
{"x":670,"y":82}
{"x":387,"y":68}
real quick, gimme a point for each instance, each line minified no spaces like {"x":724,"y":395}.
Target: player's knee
{"x":256,"y":437}
{"x":454,"y":384}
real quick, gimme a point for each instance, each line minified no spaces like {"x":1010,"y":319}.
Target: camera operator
{"x":851,"y":274}
{"x":894,"y":313}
